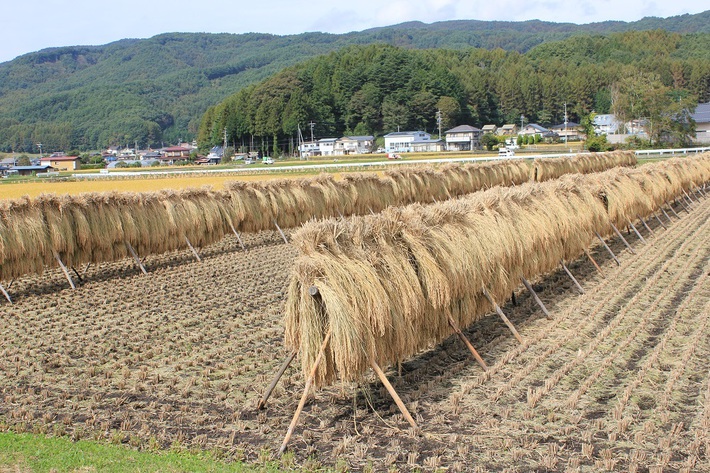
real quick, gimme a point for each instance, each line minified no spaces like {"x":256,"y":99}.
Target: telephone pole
{"x":565,"y":124}
{"x":438,"y":121}
{"x":312,"y":125}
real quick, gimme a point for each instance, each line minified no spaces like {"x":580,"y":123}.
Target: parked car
{"x":248,"y":161}
{"x":267,"y":160}
{"x":504,"y":152}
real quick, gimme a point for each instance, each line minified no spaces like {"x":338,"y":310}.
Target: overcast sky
{"x":31,"y":25}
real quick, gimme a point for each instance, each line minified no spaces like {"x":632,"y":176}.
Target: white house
{"x":606,"y":124}
{"x":702,"y":123}
{"x":404,"y":141}
{"x":463,"y":138}
{"x":308,"y":149}
{"x":354,"y":145}
{"x":532,"y":129}
{"x":327,"y":146}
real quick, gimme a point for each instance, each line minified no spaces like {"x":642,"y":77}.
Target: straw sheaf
{"x":388,"y":283}
{"x":96,"y":227}
{"x":544,"y":169}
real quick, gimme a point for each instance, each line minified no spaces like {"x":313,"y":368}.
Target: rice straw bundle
{"x":544,"y":169}
{"x":389,"y":282}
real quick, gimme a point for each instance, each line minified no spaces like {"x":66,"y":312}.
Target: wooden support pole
{"x":279,"y":374}
{"x":468,"y":344}
{"x":688,"y":196}
{"x":136,"y":258}
{"x":668,"y":216}
{"x":682,"y":204}
{"x":574,"y":280}
{"x":10,"y":285}
{"x":371,"y":212}
{"x":281,"y":232}
{"x":594,"y":262}
{"x":194,"y":252}
{"x":618,"y":233}
{"x":500,"y":313}
{"x":236,"y":234}
{"x":393,"y":393}
{"x":660,"y":221}
{"x":64,"y":269}
{"x":618,"y":263}
{"x":86,"y":268}
{"x":304,"y":397}
{"x":5,"y":293}
{"x":673,"y":210}
{"x":648,"y":229}
{"x":78,"y":276}
{"x":643,"y":240}
{"x":530,"y":289}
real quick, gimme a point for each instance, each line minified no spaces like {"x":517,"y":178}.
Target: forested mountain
{"x":154,"y":90}
{"x":379,"y":88}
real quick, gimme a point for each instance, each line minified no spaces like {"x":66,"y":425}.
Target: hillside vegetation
{"x":156,"y":90}
{"x":380,"y":88}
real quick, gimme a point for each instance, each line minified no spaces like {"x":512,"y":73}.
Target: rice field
{"x":616,"y":380}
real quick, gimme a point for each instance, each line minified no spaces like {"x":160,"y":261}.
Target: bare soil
{"x":617,"y":380}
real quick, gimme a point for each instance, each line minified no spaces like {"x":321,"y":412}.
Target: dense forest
{"x":156,"y":90}
{"x":379,"y":88}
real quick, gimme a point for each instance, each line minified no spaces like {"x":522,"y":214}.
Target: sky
{"x":31,"y":25}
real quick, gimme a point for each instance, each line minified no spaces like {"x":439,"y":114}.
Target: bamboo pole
{"x":530,"y":289}
{"x":574,"y":280}
{"x":668,"y":216}
{"x":281,"y":232}
{"x":682,"y":204}
{"x":618,"y":263}
{"x":64,"y":269}
{"x":86,"y":268}
{"x":194,"y":252}
{"x":648,"y":229}
{"x":660,"y":221}
{"x":5,"y":293}
{"x":279,"y":374}
{"x":236,"y":234}
{"x":468,"y":344}
{"x":500,"y":313}
{"x":393,"y":393}
{"x":618,"y":233}
{"x":594,"y":262}
{"x":643,"y":240}
{"x":78,"y":276}
{"x":136,"y":258}
{"x":304,"y":396}
{"x":688,"y":196}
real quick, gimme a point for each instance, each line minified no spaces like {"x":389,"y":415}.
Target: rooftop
{"x":702,"y":113}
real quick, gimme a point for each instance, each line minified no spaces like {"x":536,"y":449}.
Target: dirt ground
{"x":617,"y":380}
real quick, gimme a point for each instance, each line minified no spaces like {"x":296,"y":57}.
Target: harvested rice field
{"x":616,"y":380}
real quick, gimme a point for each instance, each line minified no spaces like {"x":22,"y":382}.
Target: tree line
{"x":380,"y":88}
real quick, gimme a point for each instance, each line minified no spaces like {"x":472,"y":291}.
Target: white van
{"x":504,"y":152}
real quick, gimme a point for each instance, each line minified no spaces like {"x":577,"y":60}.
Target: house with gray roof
{"x":463,"y":138}
{"x":702,"y":122}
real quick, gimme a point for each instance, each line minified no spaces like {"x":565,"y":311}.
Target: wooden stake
{"x":78,"y":276}
{"x":594,"y":262}
{"x":574,"y":280}
{"x":648,"y":229}
{"x":502,"y":316}
{"x":618,"y":233}
{"x":468,"y":344}
{"x":529,"y":287}
{"x":660,"y":221}
{"x":64,"y":269}
{"x":643,"y":240}
{"x":281,"y":232}
{"x":682,"y":204}
{"x":136,"y":258}
{"x":393,"y":393}
{"x":668,"y":216}
{"x":86,"y":268}
{"x":618,"y":263}
{"x":302,"y":402}
{"x":688,"y":196}
{"x":194,"y":252}
{"x":279,"y":373}
{"x":236,"y":234}
{"x":4,"y":293}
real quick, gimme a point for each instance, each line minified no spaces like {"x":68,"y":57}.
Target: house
{"x":175,"y":153}
{"x":532,"y":129}
{"x":61,"y":163}
{"x":492,"y":129}
{"x":404,"y":141}
{"x":354,"y":145}
{"x":572,"y":131}
{"x":463,"y":138}
{"x":327,"y":146}
{"x":508,"y":130}
{"x":702,"y":122}
{"x":151,"y":155}
{"x":309,"y":149}
{"x":30,"y":170}
{"x":606,"y":124}
{"x":430,"y":146}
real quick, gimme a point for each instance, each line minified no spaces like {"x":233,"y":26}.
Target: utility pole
{"x":312,"y":125}
{"x":438,"y":121}
{"x":225,"y":139}
{"x":565,"y":124}
{"x":39,"y":145}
